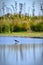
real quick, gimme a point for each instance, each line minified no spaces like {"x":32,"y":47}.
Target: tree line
{"x":18,"y":22}
{"x":15,"y":23}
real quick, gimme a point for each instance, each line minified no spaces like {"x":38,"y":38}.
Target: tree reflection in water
{"x":16,"y":53}
{"x":0,"y":53}
{"x":4,"y":58}
{"x":34,"y":51}
{"x":42,"y":49}
{"x":21,"y":53}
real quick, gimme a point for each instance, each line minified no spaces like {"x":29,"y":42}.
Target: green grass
{"x":23,"y":34}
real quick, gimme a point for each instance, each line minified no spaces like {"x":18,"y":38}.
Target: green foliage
{"x":5,"y":28}
{"x":16,"y":29}
{"x":0,"y":29}
{"x":17,"y":23}
{"x":37,"y":27}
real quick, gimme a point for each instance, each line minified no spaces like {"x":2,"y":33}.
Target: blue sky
{"x":28,"y":5}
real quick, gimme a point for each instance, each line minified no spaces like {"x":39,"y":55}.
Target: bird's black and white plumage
{"x":16,"y":41}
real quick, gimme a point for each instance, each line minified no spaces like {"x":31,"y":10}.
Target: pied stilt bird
{"x":16,"y":41}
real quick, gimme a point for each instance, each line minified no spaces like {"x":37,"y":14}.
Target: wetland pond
{"x":21,"y":50}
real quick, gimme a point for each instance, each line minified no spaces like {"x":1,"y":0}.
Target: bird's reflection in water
{"x":19,"y":50}
{"x":16,"y":43}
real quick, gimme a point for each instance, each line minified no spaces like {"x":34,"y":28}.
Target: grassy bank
{"x":23,"y":34}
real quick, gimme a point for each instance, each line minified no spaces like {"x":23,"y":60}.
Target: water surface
{"x":21,"y":54}
{"x":22,"y":40}
{"x":29,"y":51}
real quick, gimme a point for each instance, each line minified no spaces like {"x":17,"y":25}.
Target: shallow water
{"x":21,"y":54}
{"x":22,"y":40}
{"x":29,"y":51}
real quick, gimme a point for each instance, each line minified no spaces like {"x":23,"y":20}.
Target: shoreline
{"x":24,"y":34}
{"x":21,"y":36}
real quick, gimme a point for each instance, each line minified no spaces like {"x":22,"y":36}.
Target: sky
{"x":28,"y":6}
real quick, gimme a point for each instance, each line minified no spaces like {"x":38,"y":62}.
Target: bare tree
{"x":41,"y":8}
{"x":33,"y":11}
{"x":21,"y":7}
{"x":24,"y":8}
{"x":8,"y":10}
{"x":28,"y":10}
{"x":3,"y":7}
{"x":15,"y":7}
{"x":0,"y":11}
{"x":39,"y":13}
